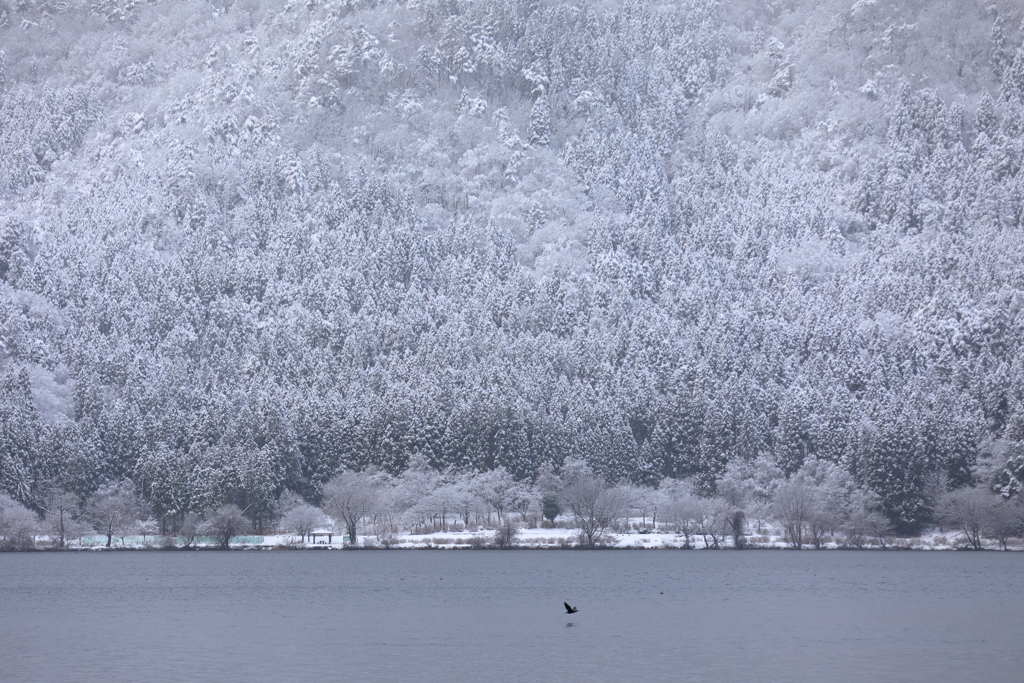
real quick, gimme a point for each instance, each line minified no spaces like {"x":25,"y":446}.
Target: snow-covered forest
{"x":247,"y":245}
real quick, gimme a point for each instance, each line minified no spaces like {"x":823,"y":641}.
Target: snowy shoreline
{"x":527,"y":539}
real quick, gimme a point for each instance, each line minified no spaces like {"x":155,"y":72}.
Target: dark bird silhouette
{"x":569,"y":609}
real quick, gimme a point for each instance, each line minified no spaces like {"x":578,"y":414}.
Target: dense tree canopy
{"x":245,"y":246}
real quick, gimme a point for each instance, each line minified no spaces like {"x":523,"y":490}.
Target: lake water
{"x":497,"y":616}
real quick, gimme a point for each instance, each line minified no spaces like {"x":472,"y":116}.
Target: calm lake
{"x":498,"y":616}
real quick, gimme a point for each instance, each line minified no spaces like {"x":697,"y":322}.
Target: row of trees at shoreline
{"x":818,"y":505}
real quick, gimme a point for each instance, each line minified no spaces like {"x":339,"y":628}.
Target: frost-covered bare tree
{"x":683,"y":511}
{"x":976,"y":513}
{"x":350,"y":497}
{"x":388,"y":512}
{"x":750,"y":486}
{"x":63,"y":517}
{"x":18,"y":525}
{"x":864,"y":520}
{"x":506,"y":534}
{"x":635,"y":502}
{"x":713,"y":520}
{"x":192,"y":527}
{"x":465,"y":501}
{"x":794,"y":507}
{"x":226,"y":522}
{"x":832,"y":489}
{"x":498,"y":490}
{"x":737,"y":527}
{"x":524,"y":500}
{"x":145,"y":528}
{"x":593,"y":504}
{"x":302,"y":519}
{"x":113,"y":509}
{"x":1005,"y":520}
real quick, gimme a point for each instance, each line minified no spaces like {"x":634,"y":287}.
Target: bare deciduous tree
{"x":593,"y":505}
{"x":1005,"y":520}
{"x":506,"y":533}
{"x":350,"y":497}
{"x":498,"y":489}
{"x":113,"y":509}
{"x":820,"y":524}
{"x":464,"y":501}
{"x":793,"y":508}
{"x":62,"y":516}
{"x":682,"y":510}
{"x":387,"y":509}
{"x":967,"y":510}
{"x":737,"y":521}
{"x":879,"y":528}
{"x":977,"y":512}
{"x":18,"y":525}
{"x":712,"y":521}
{"x":146,"y":527}
{"x":302,"y":520}
{"x":855,"y":530}
{"x":862,"y":518}
{"x":524,"y":500}
{"x":192,"y":527}
{"x":227,"y":521}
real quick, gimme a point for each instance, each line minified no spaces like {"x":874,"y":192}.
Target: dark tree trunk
{"x":351,"y":533}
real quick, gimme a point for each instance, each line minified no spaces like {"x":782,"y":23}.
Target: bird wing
{"x":567,"y":608}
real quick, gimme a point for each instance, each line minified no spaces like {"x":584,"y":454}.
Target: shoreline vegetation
{"x":636,"y":537}
{"x":820,"y":507}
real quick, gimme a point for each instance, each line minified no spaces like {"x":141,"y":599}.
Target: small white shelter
{"x":328,"y":533}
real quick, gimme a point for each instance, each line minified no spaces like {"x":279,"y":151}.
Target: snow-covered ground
{"x":568,"y":538}
{"x":558,"y":537}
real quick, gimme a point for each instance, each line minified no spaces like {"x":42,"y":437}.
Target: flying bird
{"x":569,"y":609}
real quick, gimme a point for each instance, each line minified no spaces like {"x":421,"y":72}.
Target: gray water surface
{"x":497,"y":616}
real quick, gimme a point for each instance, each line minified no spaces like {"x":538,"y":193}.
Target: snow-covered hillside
{"x":246,"y":245}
